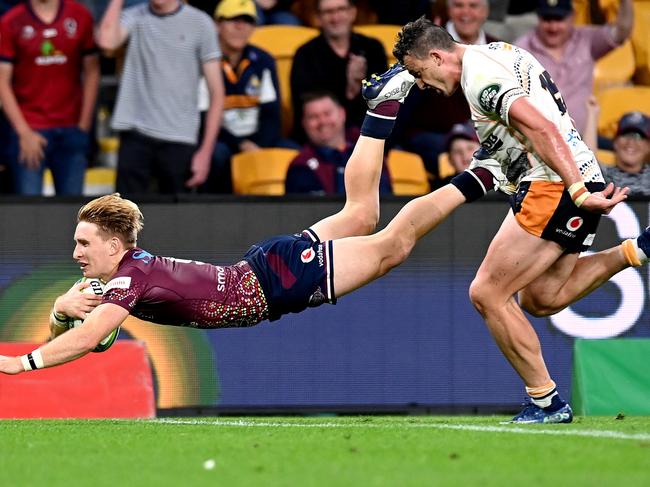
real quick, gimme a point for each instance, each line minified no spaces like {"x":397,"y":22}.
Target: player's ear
{"x":436,"y":56}
{"x":115,"y":245}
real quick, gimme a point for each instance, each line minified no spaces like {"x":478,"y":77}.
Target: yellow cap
{"x":229,"y":9}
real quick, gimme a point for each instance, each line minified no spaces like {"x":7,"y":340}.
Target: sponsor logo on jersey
{"x":28,"y":32}
{"x":49,"y":33}
{"x":50,"y":55}
{"x":142,"y":255}
{"x":487,"y":98}
{"x":574,"y":223}
{"x":307,"y":255}
{"x":221,"y":279}
{"x":321,"y":256}
{"x":70,"y":26}
{"x":313,"y":163}
{"x":565,"y":233}
{"x":118,"y":283}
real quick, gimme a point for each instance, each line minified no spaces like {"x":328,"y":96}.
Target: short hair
{"x":418,"y":37}
{"x":310,"y":96}
{"x":351,"y":3}
{"x":115,"y":216}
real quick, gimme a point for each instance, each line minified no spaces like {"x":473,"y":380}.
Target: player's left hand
{"x":604,"y":201}
{"x":200,"y":168}
{"x":10,"y":365}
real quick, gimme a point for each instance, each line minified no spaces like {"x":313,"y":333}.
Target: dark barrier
{"x":409,"y":339}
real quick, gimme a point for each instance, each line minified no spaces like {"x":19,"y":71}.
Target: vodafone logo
{"x":574,"y":223}
{"x":307,"y":255}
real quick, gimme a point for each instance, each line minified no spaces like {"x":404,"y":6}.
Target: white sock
{"x":544,"y":402}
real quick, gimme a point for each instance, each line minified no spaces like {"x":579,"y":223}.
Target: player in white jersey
{"x":531,"y":150}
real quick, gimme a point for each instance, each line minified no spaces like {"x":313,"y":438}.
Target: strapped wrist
{"x":579,"y":193}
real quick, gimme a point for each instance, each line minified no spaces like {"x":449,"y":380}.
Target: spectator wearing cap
{"x":320,"y":166}
{"x":569,"y":53}
{"x":632,"y":149}
{"x":417,"y":130}
{"x":251,"y":116}
{"x":461,"y":143}
{"x":170,"y":44}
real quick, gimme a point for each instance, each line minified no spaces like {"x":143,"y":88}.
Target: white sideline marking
{"x":463,"y":427}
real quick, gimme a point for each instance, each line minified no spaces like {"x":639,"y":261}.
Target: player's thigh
{"x":359,"y":260}
{"x":545,"y":287}
{"x":514,"y":259}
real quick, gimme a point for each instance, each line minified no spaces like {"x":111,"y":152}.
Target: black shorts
{"x":546,"y":210}
{"x":295,"y":272}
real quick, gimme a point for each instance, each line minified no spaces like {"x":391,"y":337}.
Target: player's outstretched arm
{"x":554,"y":151}
{"x":71,"y":345}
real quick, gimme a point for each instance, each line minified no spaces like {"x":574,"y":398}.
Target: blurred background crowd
{"x":263,"y":97}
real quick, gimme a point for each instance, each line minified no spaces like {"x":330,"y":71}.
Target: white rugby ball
{"x":96,"y":287}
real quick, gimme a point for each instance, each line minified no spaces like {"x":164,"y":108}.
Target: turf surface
{"x":324,"y":451}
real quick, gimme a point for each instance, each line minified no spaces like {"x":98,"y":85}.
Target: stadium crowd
{"x":195,"y":89}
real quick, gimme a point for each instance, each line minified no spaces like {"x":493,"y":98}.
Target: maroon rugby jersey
{"x":47,"y":61}
{"x":186,"y":293}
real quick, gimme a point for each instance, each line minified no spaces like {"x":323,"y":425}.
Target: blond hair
{"x":115,"y":216}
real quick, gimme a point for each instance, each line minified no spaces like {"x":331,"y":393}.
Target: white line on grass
{"x":463,"y":427}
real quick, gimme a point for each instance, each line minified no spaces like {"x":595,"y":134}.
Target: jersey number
{"x":549,"y":85}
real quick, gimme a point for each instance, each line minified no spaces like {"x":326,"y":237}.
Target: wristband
{"x":32,"y":361}
{"x":58,"y":319}
{"x":579,"y":193}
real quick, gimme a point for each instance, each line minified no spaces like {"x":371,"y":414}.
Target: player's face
{"x":430,"y":74}
{"x":324,"y":122}
{"x":91,"y":251}
{"x":336,"y":17}
{"x":554,"y":32}
{"x":632,"y":151}
{"x":461,"y":152}
{"x":468,"y":17}
{"x":235,"y":33}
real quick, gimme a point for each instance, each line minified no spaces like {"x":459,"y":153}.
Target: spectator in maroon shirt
{"x":49,"y":77}
{"x":319,"y":168}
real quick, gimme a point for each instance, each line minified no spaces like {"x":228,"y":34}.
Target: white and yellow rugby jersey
{"x":493,"y":77}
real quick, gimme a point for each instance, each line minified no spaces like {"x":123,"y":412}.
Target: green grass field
{"x":324,"y":451}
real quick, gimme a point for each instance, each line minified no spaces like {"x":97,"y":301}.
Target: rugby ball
{"x":96,"y":287}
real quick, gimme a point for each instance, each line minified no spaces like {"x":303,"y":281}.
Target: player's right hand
{"x":604,"y":201}
{"x":10,"y":365}
{"x":75,"y":303}
{"x":32,"y":149}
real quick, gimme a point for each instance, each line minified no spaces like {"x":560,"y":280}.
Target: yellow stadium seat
{"x":282,"y":41}
{"x":618,"y":101}
{"x":606,"y":157}
{"x":385,"y":33}
{"x":97,"y":181}
{"x":261,"y":172}
{"x":445,"y":169}
{"x":615,"y":69}
{"x":641,"y":41}
{"x":407,"y":173}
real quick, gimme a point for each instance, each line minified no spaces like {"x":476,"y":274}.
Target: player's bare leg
{"x":359,"y":260}
{"x":360,"y":213}
{"x":514,"y":259}
{"x":571,"y":278}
